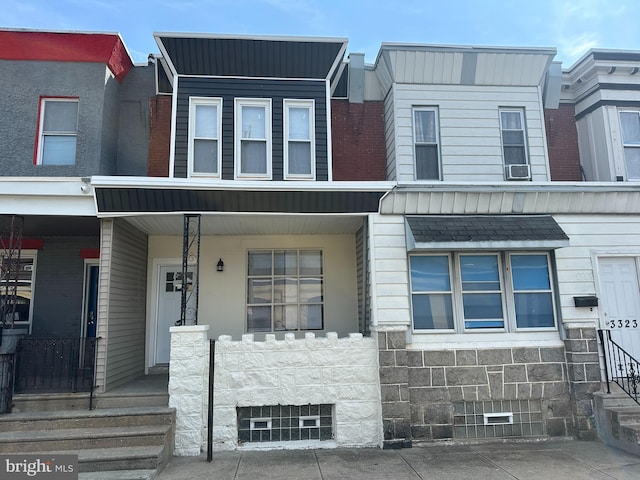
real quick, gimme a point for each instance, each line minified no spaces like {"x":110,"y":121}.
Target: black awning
{"x":161,"y":200}
{"x":486,"y":231}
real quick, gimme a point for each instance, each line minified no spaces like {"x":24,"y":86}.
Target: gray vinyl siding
{"x":59,"y":278}
{"x":390,"y":136}
{"x":228,"y":89}
{"x":122,"y":311}
{"x":364,"y":293}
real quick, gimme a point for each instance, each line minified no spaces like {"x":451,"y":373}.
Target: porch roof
{"x":485,"y":231}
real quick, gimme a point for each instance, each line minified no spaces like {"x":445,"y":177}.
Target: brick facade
{"x":562,"y":143}
{"x":358,"y":141}
{"x":159,"y":136}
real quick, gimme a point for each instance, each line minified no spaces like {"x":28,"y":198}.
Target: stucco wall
{"x":342,"y":372}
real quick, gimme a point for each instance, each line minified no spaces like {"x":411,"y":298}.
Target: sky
{"x":571,"y":27}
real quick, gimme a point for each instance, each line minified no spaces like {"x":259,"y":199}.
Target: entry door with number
{"x":621,"y":301}
{"x":169,"y":303}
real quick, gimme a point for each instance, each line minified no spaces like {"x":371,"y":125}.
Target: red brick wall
{"x":358,"y":140}
{"x":160,"y":136}
{"x":562,"y":143}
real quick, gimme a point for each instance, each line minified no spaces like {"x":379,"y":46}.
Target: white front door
{"x":621,"y":301}
{"x":168,"y":311}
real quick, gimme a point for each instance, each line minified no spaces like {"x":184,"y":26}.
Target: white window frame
{"x":437,"y":143}
{"x":42,"y":133}
{"x":310,"y":105}
{"x":194,"y":102}
{"x":273,"y":303}
{"x":506,"y":289}
{"x":252,"y":102}
{"x":523,"y":129}
{"x":626,"y":146}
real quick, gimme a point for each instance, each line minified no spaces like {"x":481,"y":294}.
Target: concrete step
{"x":80,"y":401}
{"x":615,"y":399}
{"x":630,"y":433}
{"x":626,"y":414}
{"x":125,"y":417}
{"x":119,"y":458}
{"x":83,"y":438}
{"x":119,"y":475}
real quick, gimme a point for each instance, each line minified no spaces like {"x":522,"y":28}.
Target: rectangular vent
{"x":260,"y":424}
{"x":310,"y":422}
{"x":501,"y":418}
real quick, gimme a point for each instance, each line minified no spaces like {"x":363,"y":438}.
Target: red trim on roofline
{"x":27,"y":244}
{"x":67,"y":47}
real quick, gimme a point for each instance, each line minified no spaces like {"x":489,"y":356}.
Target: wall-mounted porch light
{"x":220,"y":266}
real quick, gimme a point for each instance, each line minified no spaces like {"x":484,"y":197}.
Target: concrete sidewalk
{"x":546,"y":460}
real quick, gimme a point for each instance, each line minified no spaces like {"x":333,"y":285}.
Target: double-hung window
{"x":253,"y":138}
{"x":425,"y":138}
{"x":16,"y":286}
{"x":630,"y":122}
{"x":285,"y":290}
{"x":475,"y":292}
{"x":512,"y":128}
{"x":57,"y":131}
{"x":205,"y":133}
{"x":299,"y":145}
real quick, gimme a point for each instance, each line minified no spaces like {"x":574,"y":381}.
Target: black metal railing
{"x":620,"y":366}
{"x":55,"y":365}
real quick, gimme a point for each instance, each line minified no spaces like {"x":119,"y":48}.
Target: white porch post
{"x":188,"y":390}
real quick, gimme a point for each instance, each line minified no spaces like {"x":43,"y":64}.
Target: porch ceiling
{"x":40,"y":226}
{"x":212,"y":224}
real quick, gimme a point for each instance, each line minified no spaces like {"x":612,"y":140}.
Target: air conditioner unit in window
{"x":518,"y":172}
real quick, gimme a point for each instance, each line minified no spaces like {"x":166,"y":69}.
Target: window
{"x":425,"y":136}
{"x":57,"y":132}
{"x":630,"y":122}
{"x":513,"y":136}
{"x":285,"y":290}
{"x":18,"y":274}
{"x":253,"y":138}
{"x":467,"y":292}
{"x":205,"y":145}
{"x":299,"y":147}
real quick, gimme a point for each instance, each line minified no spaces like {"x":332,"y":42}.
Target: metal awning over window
{"x":457,"y":232}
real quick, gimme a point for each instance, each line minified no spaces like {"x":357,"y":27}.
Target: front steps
{"x":120,"y":443}
{"x":618,"y":420}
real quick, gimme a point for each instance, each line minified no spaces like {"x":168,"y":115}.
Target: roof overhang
{"x":127,"y":196}
{"x":467,"y":232}
{"x":251,"y":56}
{"x":107,"y":48}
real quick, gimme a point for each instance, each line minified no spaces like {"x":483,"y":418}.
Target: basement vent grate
{"x":284,"y":423}
{"x":497,"y":419}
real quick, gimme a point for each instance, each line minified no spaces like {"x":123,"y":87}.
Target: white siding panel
{"x":469,"y":129}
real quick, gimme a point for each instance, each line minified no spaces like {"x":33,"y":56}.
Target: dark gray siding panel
{"x":123,"y":200}
{"x":228,"y":90}
{"x":243,"y":57}
{"x":59,"y":276}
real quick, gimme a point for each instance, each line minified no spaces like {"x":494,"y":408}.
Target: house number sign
{"x":622,"y":323}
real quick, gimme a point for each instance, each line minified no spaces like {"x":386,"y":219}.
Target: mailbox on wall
{"x":586,"y":301}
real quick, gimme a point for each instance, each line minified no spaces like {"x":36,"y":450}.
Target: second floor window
{"x":299,"y":145}
{"x":425,"y":136}
{"x":253,"y":138}
{"x":513,"y":137}
{"x":205,"y":146}
{"x":630,"y":122}
{"x":57,"y":131}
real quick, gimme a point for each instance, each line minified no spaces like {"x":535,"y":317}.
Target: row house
{"x":419,"y":249}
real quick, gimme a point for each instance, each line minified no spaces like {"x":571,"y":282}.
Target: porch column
{"x":188,"y":392}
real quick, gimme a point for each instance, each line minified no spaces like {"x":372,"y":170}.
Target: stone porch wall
{"x":342,"y":372}
{"x":420,"y":387}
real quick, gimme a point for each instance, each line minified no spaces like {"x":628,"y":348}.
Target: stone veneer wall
{"x":330,"y":370}
{"x":419,"y":387}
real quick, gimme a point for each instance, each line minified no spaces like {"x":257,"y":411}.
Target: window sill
{"x":440,"y":341}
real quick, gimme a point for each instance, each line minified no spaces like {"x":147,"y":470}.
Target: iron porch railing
{"x":620,"y":366}
{"x":55,"y":365}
